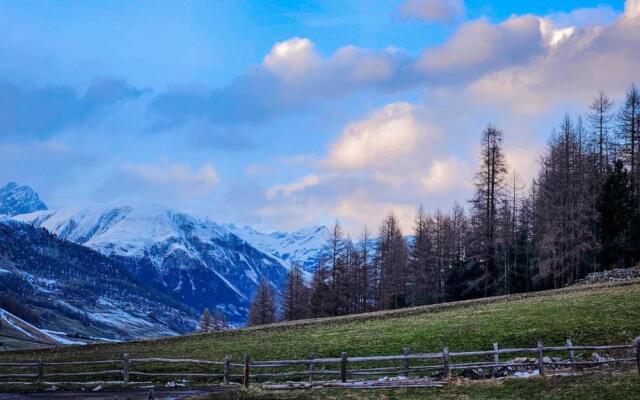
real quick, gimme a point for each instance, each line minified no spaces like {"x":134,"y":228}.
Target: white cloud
{"x":380,"y":140}
{"x":391,"y":161}
{"x":573,"y":71}
{"x":291,"y":78}
{"x":443,"y":11}
{"x":479,"y":46}
{"x":291,"y":58}
{"x":49,"y":167}
{"x":600,"y":15}
{"x":295,"y":77}
{"x":303,"y":212}
{"x":356,"y":212}
{"x":632,"y":8}
{"x":290,"y":188}
{"x":518,"y":73}
{"x":161,"y":182}
{"x":521,"y":74}
{"x":304,"y":72}
{"x":552,"y":35}
{"x":524,"y":161}
{"x":448,"y":175}
{"x":180,"y":176}
{"x":363,"y":65}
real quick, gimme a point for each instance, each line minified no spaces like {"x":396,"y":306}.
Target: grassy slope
{"x":14,"y":338}
{"x":591,"y":315}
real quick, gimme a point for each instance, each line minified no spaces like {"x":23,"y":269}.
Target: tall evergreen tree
{"x":456,"y":286}
{"x":295,"y":296}
{"x":439,"y":231}
{"x":422,"y":265}
{"x":321,"y":301}
{"x":348,"y":279}
{"x":629,"y":129}
{"x":510,"y":224}
{"x":556,"y":192}
{"x":205,"y":321}
{"x":489,"y":189}
{"x":218,"y":321}
{"x":600,"y":119}
{"x":392,"y":254}
{"x":616,"y":213}
{"x":525,"y":248}
{"x":565,"y":208}
{"x":362,"y":287}
{"x":335,"y":255}
{"x":579,"y":213}
{"x":505,"y":243}
{"x":263,"y":305}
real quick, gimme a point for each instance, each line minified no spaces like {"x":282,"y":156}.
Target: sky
{"x":287,"y":114}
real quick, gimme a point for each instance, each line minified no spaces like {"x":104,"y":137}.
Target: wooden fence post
{"x":445,"y":363}
{"x":40,"y":370}
{"x":638,"y":353}
{"x":540,"y":354}
{"x":310,"y":368}
{"x":405,"y":362}
{"x":496,"y":359}
{"x":125,"y":367}
{"x":572,"y":356}
{"x":227,"y":366}
{"x":247,"y":365}
{"x":343,"y":367}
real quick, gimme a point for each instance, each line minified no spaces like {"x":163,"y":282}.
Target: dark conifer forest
{"x":579,"y":215}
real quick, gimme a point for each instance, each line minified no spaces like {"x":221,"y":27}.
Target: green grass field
{"x":599,"y":314}
{"x":604,"y":314}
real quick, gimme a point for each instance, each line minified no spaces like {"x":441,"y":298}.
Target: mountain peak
{"x":302,"y":247}
{"x":19,"y":199}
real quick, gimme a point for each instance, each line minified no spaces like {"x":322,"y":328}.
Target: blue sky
{"x":282,"y":114}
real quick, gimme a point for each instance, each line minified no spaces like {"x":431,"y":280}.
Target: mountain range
{"x":72,"y":289}
{"x":190,"y":260}
{"x":16,"y":199}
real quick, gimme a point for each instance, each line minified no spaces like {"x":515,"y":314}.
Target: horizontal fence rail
{"x":441,"y":365}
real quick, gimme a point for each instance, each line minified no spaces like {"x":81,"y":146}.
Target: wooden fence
{"x":444,"y":364}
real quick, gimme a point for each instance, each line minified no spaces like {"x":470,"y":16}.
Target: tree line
{"x":579,"y":215}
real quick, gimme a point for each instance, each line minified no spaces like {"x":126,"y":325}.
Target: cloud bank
{"x":411,"y":137}
{"x":521,"y":73}
{"x":41,"y":112}
{"x":434,"y":11}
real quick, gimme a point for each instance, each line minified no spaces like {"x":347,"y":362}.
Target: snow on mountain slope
{"x":303,"y":247}
{"x":16,"y":199}
{"x":122,"y":230}
{"x":194,"y":260}
{"x":74,"y":289}
{"x":16,"y":333}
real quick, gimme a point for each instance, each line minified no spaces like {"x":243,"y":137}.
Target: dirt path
{"x":132,"y":394}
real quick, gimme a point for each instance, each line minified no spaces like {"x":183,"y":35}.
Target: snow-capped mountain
{"x":302,"y":247}
{"x":73,"y":289}
{"x":16,"y":199}
{"x":194,"y":260}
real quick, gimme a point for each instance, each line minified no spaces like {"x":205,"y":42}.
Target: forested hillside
{"x":73,"y":290}
{"x":579,"y":215}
